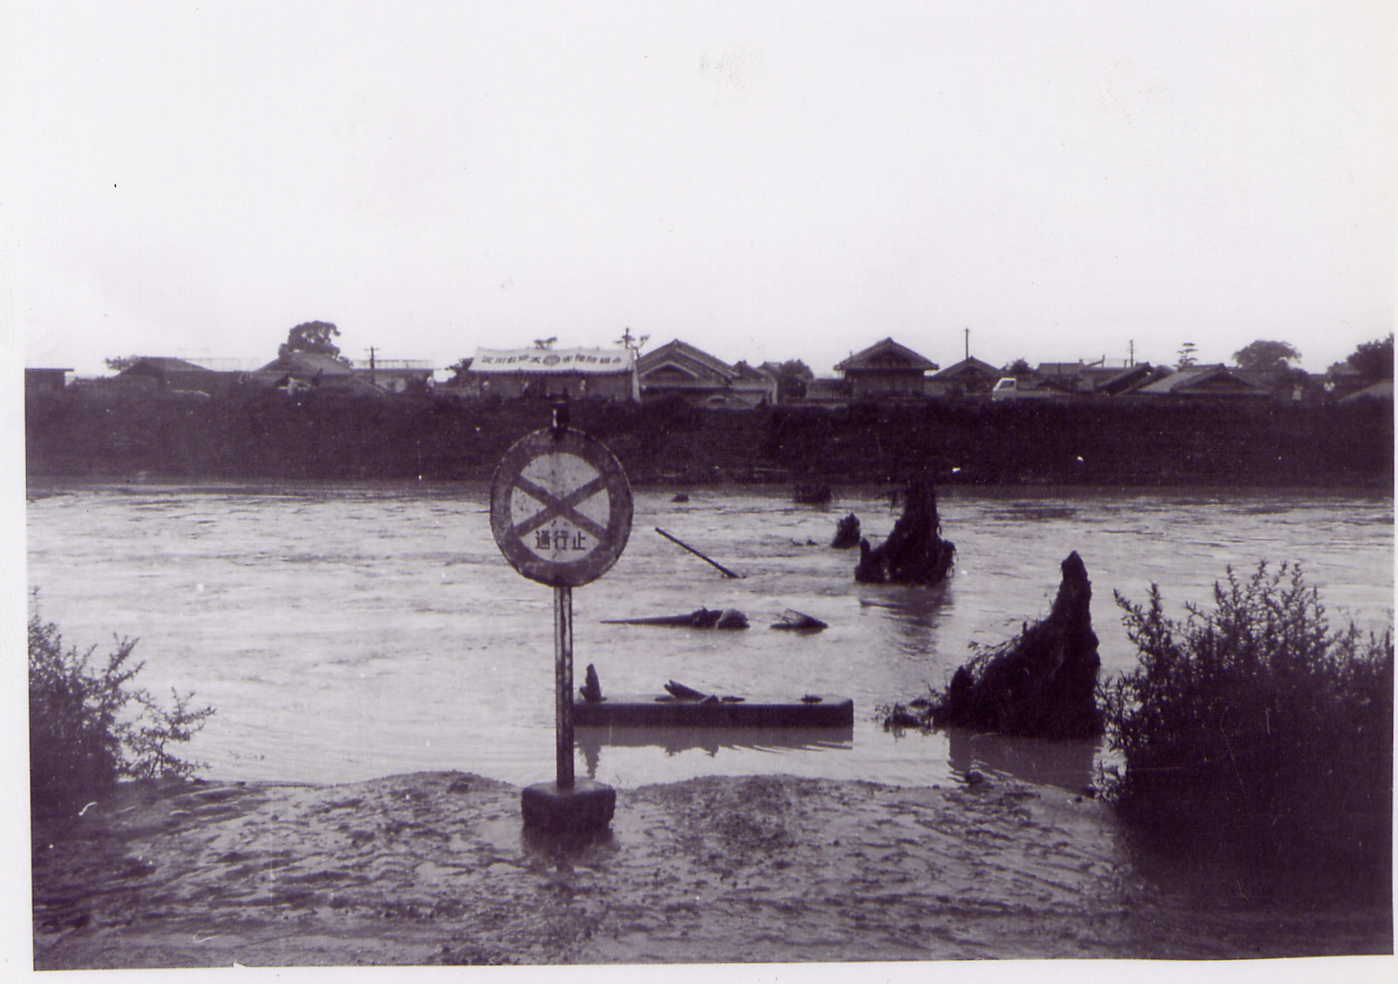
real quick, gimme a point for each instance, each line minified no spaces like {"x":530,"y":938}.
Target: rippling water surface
{"x":352,"y":631}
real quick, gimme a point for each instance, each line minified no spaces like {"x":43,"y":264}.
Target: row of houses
{"x":676,"y":369}
{"x":292,"y":373}
{"x":886,"y":371}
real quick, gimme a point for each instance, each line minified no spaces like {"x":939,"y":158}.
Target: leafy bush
{"x":1255,"y":731}
{"x":88,"y":725}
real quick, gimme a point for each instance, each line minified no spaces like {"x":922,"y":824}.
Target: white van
{"x":1008,"y":388}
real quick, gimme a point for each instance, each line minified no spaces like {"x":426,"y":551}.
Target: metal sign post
{"x":560,"y":509}
{"x":563,"y":673}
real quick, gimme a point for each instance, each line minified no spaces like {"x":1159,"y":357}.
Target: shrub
{"x":1255,"y":731}
{"x":88,"y":725}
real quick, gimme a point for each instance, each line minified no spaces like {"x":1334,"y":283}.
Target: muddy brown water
{"x":351,"y":631}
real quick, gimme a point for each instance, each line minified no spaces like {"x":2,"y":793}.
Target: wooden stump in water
{"x":592,"y":687}
{"x":914,"y":552}
{"x":1042,"y":684}
{"x":846,"y":533}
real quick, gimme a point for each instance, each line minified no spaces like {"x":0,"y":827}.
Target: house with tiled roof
{"x":166,"y":374}
{"x":969,"y":377}
{"x":885,"y":369}
{"x":1095,"y":378}
{"x":683,"y":370}
{"x":306,"y":365}
{"x":1205,"y":381}
{"x":297,"y":372}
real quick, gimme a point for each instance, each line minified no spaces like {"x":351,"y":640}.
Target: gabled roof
{"x":161,"y":363}
{"x":1124,"y":379}
{"x":970,"y":365}
{"x":688,"y":360}
{"x":307,"y":363}
{"x":1218,"y":379}
{"x":1062,"y":368}
{"x":887,"y":354}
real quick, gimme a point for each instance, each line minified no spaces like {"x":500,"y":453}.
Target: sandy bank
{"x":435,"y":868}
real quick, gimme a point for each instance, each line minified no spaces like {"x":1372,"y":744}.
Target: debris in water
{"x":591,"y":689}
{"x":680,"y":691}
{"x":914,"y":552}
{"x":795,"y":621}
{"x":700,"y":618}
{"x":674,"y":539}
{"x":846,"y":533}
{"x":1041,"y":684}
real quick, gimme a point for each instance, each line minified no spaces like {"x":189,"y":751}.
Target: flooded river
{"x":350,"y":631}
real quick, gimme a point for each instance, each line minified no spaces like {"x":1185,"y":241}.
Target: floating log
{"x":701,"y":556}
{"x":914,"y":552}
{"x":700,"y":618}
{"x":846,"y":533}
{"x":679,"y":690}
{"x":795,"y":621}
{"x":1041,"y":684}
{"x":828,"y":711}
{"x":731,"y":619}
{"x":680,"y":497}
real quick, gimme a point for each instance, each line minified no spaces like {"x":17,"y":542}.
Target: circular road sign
{"x":560,"y":507}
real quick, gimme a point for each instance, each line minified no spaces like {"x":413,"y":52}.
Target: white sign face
{"x":559,"y":507}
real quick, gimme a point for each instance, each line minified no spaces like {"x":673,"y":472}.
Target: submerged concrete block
{"x":587,"y":806}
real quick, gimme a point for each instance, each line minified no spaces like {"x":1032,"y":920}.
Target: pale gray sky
{"x":763,"y":180}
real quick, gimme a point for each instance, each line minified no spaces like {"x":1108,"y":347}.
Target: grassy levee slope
{"x":321,"y":436}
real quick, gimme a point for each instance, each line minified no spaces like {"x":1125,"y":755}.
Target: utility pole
{"x":1131,"y":348}
{"x":371,"y":366}
{"x":632,"y":343}
{"x":967,"y":333}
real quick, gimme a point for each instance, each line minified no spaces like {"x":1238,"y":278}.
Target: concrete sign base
{"x":588,"y":806}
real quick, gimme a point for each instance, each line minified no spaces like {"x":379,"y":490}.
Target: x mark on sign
{"x":561,"y":507}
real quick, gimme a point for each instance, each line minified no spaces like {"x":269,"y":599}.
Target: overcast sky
{"x":763,"y":180}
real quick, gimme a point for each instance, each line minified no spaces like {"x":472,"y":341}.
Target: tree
{"x":120,"y":363}
{"x":459,"y":369}
{"x":1263,"y":354}
{"x":1374,"y":360}
{"x":792,"y":377}
{"x":1188,"y":355}
{"x":89,"y":725}
{"x":312,"y":336}
{"x":1019,"y":368}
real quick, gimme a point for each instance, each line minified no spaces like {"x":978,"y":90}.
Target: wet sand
{"x":435,"y":868}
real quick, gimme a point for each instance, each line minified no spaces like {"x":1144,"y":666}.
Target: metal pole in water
{"x":563,"y":671}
